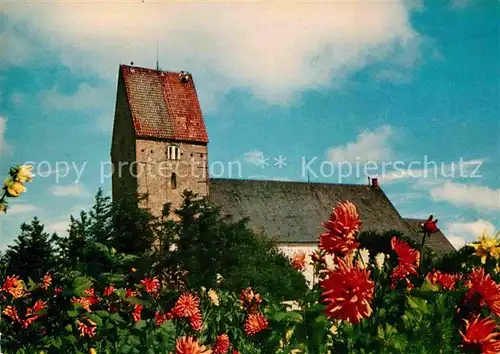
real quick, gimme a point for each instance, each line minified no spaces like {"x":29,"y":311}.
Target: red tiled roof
{"x":162,"y":106}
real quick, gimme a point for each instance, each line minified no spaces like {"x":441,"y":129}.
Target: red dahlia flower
{"x":430,"y":225}
{"x":186,"y":306}
{"x":15,"y":287}
{"x":255,"y":323}
{"x":190,"y":345}
{"x":483,"y":285}
{"x":57,"y":291}
{"x":46,"y":281}
{"x":87,"y":327}
{"x":161,"y":318}
{"x":83,"y":301}
{"x":299,"y":261}
{"x":196,"y":321}
{"x":11,"y":312}
{"x":108,"y":290}
{"x":91,"y":296}
{"x":221,"y":344}
{"x":408,"y":260}
{"x":342,"y":227}
{"x":480,"y":336}
{"x":446,"y":280}
{"x":348,"y":292}
{"x":137,"y":312}
{"x":152,"y":285}
{"x":250,"y":300}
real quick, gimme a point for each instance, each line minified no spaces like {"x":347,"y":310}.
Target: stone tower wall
{"x":154,"y":173}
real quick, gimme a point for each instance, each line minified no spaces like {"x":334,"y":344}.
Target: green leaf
{"x":427,"y":286}
{"x":139,"y":325}
{"x":31,"y":285}
{"x":417,"y":303}
{"x":114,"y":278}
{"x":102,"y":313}
{"x":95,"y":318}
{"x":115,"y":317}
{"x":136,"y":301}
{"x":121,"y":293}
{"x":134,"y":340}
{"x":56,"y":342}
{"x":73,"y":313}
{"x":291,"y":316}
{"x":80,"y":284}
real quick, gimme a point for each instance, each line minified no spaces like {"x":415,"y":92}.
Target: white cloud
{"x":472,"y":229}
{"x":3,"y":128}
{"x":86,"y":97}
{"x":59,"y":227}
{"x":18,"y":49}
{"x":21,"y":209}
{"x":17,"y":98}
{"x":479,"y":197}
{"x":104,"y":123}
{"x":369,"y":146}
{"x":457,"y":241}
{"x":275,"y":49}
{"x":69,"y":190}
{"x":395,"y":76}
{"x":461,"y":232}
{"x":430,"y":173}
{"x":406,"y":197}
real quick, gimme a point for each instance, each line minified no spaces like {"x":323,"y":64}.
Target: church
{"x":160,"y":148}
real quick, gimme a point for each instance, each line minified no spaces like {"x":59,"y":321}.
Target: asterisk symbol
{"x":280,"y":161}
{"x":261,"y":161}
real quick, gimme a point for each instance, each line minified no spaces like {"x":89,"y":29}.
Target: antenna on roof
{"x":157,"y":60}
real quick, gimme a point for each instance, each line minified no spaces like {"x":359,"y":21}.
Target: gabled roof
{"x":163,"y":106}
{"x":437,"y":241}
{"x":293,"y":211}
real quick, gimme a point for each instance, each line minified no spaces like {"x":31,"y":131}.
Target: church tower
{"x":159,"y":143}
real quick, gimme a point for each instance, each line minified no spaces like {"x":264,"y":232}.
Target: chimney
{"x":375,"y":182}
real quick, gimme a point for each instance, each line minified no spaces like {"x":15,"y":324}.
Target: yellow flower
{"x":487,"y":246}
{"x":92,"y":351}
{"x":219,"y":278}
{"x":380,"y":261}
{"x":14,"y":189}
{"x":3,"y":207}
{"x":213,"y":297}
{"x":24,"y":173}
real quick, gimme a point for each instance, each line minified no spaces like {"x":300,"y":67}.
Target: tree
{"x":32,"y":255}
{"x":131,"y":227}
{"x":209,"y":243}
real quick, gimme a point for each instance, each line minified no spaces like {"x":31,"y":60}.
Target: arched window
{"x":173,"y":180}
{"x":173,"y":153}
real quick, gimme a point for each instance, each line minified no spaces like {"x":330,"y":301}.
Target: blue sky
{"x":331,"y":83}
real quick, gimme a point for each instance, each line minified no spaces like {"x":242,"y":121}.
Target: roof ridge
{"x":143,"y":68}
{"x":289,"y":182}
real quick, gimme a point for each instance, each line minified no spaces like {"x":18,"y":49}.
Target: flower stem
{"x":422,"y":252}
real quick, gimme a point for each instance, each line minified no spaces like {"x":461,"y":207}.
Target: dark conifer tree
{"x":32,"y":254}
